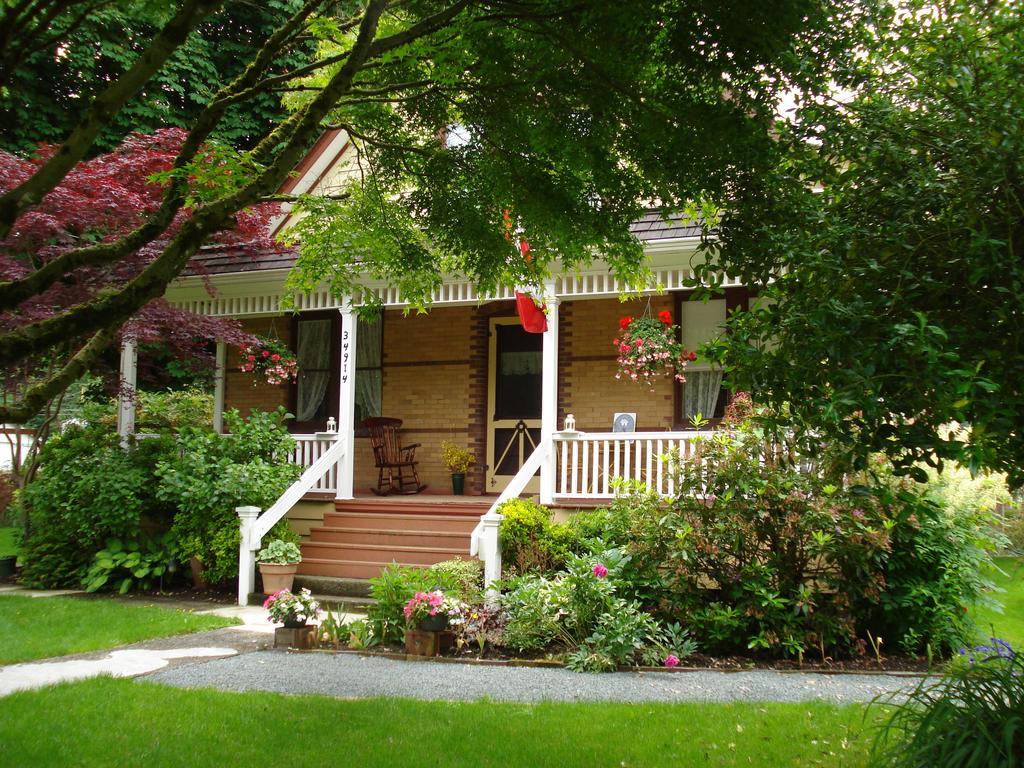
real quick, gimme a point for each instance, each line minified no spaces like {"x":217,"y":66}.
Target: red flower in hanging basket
{"x":665,"y":316}
{"x":271,"y":360}
{"x":648,"y":349}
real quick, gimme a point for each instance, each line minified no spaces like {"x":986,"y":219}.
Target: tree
{"x":572,"y":112}
{"x":892,"y":224}
{"x":65,"y":67}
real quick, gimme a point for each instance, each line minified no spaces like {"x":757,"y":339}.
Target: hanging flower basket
{"x":270,"y":359}
{"x":648,"y":349}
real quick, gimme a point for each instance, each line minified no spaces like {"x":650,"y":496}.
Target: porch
{"x":445,"y":374}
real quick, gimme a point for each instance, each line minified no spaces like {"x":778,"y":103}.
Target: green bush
{"x":209,"y":475}
{"x":529,"y":541}
{"x":463,"y":579}
{"x":87,"y":490}
{"x":761,"y":554}
{"x":579,"y":610}
{"x":1012,"y":526}
{"x":974,"y":716}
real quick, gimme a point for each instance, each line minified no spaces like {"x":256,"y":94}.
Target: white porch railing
{"x":588,"y":462}
{"x":255,"y":526}
{"x":585,"y":464}
{"x":308,"y":450}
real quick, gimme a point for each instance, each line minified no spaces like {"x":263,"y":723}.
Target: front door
{"x":513,"y":401}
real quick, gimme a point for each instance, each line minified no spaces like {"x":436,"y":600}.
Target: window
{"x":702,"y":392}
{"x":317,"y":345}
{"x":316,"y":353}
{"x":369,"y":367}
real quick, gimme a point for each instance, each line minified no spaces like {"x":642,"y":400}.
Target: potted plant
{"x":648,"y":349}
{"x":270,"y":359}
{"x":457,"y":459}
{"x":278,"y":561}
{"x":292,"y":610}
{"x":296,"y":612}
{"x":432,"y":611}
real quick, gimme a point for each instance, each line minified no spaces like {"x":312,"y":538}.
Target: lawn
{"x":7,"y":539}
{"x":158,"y":725}
{"x":37,"y":628}
{"x":1008,"y":625}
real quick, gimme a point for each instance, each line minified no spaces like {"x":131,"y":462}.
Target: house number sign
{"x":344,"y":355}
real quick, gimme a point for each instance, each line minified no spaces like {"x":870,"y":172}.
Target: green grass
{"x":37,"y":628}
{"x":7,"y":539}
{"x":105,"y":722}
{"x":1008,"y":625}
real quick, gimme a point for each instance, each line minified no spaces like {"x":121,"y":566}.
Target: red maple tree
{"x":101,"y":200}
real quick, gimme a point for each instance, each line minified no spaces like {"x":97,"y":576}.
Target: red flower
{"x":624,"y":322}
{"x":266,"y":353}
{"x":275,"y":357}
{"x":692,"y":356}
{"x":665,"y":316}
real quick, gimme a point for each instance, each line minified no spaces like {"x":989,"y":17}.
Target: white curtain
{"x":520,"y":363}
{"x":700,"y":393}
{"x":314,"y":357}
{"x":369,"y":377}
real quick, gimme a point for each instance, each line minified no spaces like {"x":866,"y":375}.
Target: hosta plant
{"x":129,"y":565}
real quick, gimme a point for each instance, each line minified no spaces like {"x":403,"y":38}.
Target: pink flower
{"x":671,"y":661}
{"x":600,"y":571}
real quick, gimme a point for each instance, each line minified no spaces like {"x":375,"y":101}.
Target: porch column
{"x":347,"y":399}
{"x":218,"y":387}
{"x":126,"y":389}
{"x":549,"y":394}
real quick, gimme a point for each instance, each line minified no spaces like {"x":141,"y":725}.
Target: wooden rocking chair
{"x":396,"y":463}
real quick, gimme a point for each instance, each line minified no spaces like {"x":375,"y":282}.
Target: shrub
{"x":762,"y":553}
{"x":87,"y":490}
{"x":1012,"y":526}
{"x":210,"y":475}
{"x":529,"y":541}
{"x":463,"y":579}
{"x":580,"y":610}
{"x":974,"y":716}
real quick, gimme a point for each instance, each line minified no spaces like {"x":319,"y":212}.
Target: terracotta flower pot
{"x":277,"y":576}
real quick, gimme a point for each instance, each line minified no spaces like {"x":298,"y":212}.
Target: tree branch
{"x":101,"y":111}
{"x":17,"y":291}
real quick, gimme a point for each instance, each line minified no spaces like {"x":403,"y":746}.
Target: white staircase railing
{"x":255,"y":526}
{"x":585,"y":464}
{"x":308,"y":449}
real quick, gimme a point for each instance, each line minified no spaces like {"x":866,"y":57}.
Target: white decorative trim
{"x":255,"y":293}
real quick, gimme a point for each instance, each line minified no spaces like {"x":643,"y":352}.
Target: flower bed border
{"x":550,"y":664}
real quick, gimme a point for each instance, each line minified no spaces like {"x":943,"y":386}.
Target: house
{"x":465,"y":372}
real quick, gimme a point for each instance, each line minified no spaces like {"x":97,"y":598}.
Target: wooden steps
{"x":361,"y":536}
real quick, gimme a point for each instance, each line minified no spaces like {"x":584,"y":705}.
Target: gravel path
{"x":352,"y":676}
